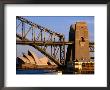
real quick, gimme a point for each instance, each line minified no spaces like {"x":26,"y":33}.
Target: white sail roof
{"x":24,"y":59}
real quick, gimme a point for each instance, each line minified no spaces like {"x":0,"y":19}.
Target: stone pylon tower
{"x":81,"y":41}
{"x":79,"y":50}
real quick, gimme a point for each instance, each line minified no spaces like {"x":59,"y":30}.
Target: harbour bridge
{"x":53,"y":44}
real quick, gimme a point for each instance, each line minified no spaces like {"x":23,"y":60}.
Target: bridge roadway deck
{"x":49,"y":43}
{"x":42,"y":43}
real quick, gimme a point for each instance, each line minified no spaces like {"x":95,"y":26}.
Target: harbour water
{"x":34,"y":72}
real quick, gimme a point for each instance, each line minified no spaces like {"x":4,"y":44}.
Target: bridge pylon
{"x":79,"y":50}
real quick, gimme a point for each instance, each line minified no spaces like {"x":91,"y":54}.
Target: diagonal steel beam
{"x":46,"y":54}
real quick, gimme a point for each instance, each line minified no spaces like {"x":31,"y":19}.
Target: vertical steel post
{"x":41,"y":36}
{"x":64,"y":50}
{"x":51,"y":45}
{"x":32,"y":34}
{"x":54,"y":47}
{"x":60,"y":52}
{"x":22,"y":30}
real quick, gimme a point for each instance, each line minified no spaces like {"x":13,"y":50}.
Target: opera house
{"x":30,"y":60}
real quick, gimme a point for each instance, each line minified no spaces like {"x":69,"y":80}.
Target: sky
{"x":60,"y":24}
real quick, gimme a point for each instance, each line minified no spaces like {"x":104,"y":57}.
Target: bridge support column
{"x":70,"y":55}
